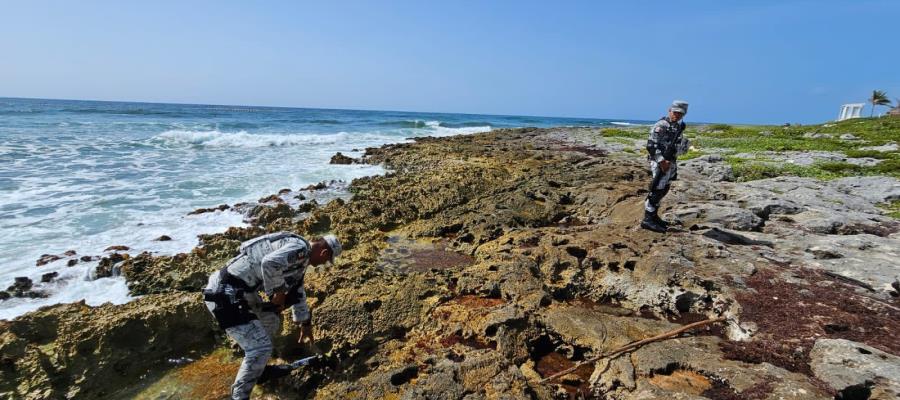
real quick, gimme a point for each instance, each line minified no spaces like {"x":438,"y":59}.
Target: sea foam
{"x":243,"y":139}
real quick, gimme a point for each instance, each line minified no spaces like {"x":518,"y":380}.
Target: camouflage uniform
{"x":271,"y":263}
{"x":666,"y":142}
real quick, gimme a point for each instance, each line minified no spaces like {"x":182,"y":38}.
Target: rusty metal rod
{"x":634,"y":345}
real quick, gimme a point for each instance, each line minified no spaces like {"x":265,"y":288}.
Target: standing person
{"x":274,"y":264}
{"x":665,"y":144}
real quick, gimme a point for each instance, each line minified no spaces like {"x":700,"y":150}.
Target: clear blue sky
{"x":752,"y":61}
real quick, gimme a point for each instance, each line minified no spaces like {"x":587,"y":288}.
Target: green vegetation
{"x":881,"y":155}
{"x":892,"y":208}
{"x":719,"y":127}
{"x":733,"y":139}
{"x":691,"y":154}
{"x":749,"y":170}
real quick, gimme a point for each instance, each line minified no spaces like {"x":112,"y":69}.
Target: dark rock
{"x":72,"y":262}
{"x":22,"y":288}
{"x":221,"y":207}
{"x":89,"y":258}
{"x":734,"y":238}
{"x":284,"y":191}
{"x":271,"y":199}
{"x":300,"y":197}
{"x":70,"y":253}
{"x":264,"y":215}
{"x":308,"y":206}
{"x":117,"y":248}
{"x":49,"y":276}
{"x":318,"y":186}
{"x":106,"y":268}
{"x":21,"y":283}
{"x":46,"y":259}
{"x":4,"y":295}
{"x":163,"y":238}
{"x":341,"y":159}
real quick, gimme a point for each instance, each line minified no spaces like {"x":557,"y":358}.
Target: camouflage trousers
{"x":659,"y":185}
{"x":255,"y":339}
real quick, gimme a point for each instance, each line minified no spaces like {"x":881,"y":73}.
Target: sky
{"x":734,"y":61}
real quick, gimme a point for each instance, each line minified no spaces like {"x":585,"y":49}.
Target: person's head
{"x":678,"y":110}
{"x":324,"y":250}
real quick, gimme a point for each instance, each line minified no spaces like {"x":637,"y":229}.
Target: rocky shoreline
{"x":483,"y":263}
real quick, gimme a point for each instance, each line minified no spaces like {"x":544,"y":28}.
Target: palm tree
{"x":879,"y":98}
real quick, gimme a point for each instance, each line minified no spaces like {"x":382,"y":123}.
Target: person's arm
{"x":653,"y":147}
{"x":300,"y":309}
{"x":302,"y":316}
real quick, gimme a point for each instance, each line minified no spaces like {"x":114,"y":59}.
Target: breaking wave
{"x":253,"y":140}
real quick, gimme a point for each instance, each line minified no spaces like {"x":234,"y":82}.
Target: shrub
{"x":720,"y":127}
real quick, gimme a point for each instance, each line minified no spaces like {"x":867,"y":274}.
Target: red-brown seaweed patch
{"x":792,"y":316}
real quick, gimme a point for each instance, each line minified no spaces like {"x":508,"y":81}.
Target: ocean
{"x":85,"y":175}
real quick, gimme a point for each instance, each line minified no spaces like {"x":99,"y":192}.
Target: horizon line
{"x":315,"y":108}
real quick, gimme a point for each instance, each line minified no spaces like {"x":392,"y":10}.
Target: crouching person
{"x":274,"y":264}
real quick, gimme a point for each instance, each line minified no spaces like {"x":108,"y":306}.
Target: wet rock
{"x":271,"y":199}
{"x":849,"y":366}
{"x":117,"y":248}
{"x":4,"y":295}
{"x":49,"y":276}
{"x":341,"y":159}
{"x":20,"y":284}
{"x":108,"y":266}
{"x":89,"y":258}
{"x":46,"y":259}
{"x":264,"y":214}
{"x":70,"y":253}
{"x":221,"y":207}
{"x":163,"y":238}
{"x":72,"y":262}
{"x":317,"y":186}
{"x":308,"y":206}
{"x":21,"y":287}
{"x":284,"y":191}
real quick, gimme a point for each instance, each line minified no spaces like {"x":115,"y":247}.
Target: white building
{"x":851,"y":111}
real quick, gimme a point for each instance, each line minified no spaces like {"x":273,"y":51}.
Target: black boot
{"x":650,"y":223}
{"x":273,"y":372}
{"x":659,"y":221}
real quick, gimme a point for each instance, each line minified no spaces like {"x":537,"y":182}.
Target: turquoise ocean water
{"x":84,"y":175}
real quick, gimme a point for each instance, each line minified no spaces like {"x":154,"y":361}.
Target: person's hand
{"x":664,"y":165}
{"x":278,"y":300}
{"x":306,"y":333}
